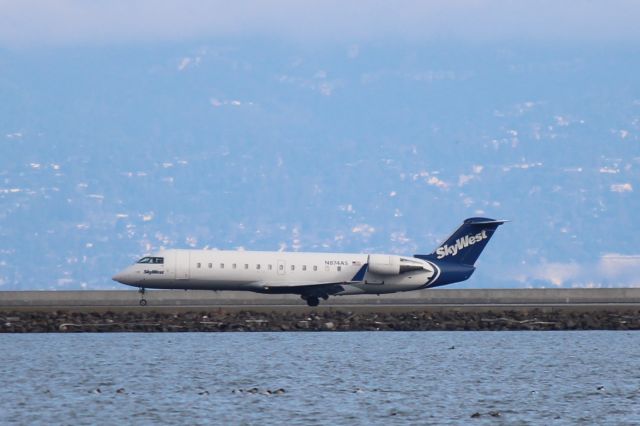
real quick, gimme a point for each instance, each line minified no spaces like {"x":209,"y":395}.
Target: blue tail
{"x":455,"y":258}
{"x":466,"y":243}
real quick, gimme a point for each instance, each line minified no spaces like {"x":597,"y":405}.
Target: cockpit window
{"x":156,"y":260}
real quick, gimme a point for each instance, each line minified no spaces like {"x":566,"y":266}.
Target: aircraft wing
{"x":309,"y":287}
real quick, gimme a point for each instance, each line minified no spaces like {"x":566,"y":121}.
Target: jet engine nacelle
{"x":382,"y":264}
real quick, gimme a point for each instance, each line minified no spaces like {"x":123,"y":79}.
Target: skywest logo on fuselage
{"x":464,"y":242}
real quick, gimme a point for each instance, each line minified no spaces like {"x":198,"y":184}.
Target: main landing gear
{"x":313,"y":300}
{"x":143,"y":301}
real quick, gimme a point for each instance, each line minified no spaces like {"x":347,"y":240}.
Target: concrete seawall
{"x":439,"y":309}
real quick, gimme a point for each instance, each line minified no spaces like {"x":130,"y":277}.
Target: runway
{"x":436,"y":300}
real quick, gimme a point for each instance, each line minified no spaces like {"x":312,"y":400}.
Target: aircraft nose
{"x":123,"y":277}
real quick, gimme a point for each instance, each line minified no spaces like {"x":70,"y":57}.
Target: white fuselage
{"x":272,"y":272}
{"x":314,"y":275}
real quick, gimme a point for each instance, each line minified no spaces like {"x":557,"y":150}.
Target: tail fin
{"x":467,"y":242}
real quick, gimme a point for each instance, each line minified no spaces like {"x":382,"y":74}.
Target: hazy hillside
{"x":108,"y":153}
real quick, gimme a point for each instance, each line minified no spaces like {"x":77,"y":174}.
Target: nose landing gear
{"x":143,"y":301}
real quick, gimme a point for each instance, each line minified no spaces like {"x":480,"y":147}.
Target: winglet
{"x":359,"y":276}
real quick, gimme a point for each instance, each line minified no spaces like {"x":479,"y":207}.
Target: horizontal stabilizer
{"x":479,"y":221}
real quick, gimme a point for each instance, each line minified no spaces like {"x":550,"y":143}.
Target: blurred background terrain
{"x":109,"y":151}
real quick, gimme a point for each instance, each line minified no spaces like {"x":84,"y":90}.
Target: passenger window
{"x":198,"y":264}
{"x":315,"y":267}
{"x":304,"y":267}
{"x":339,"y":268}
{"x":233,"y":266}
{"x":246,"y":266}
{"x":257,"y":266}
{"x":210,"y":265}
{"x":270,"y":267}
{"x":293,"y":267}
{"x":282,"y":267}
{"x":222,"y":266}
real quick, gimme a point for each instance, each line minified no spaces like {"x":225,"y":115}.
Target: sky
{"x":29,"y":23}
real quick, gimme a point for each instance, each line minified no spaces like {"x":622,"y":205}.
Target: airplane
{"x":313,"y":276}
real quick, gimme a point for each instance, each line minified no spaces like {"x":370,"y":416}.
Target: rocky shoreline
{"x":221,"y":321}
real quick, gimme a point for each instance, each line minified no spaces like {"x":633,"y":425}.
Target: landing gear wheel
{"x":143,"y":301}
{"x":313,"y":301}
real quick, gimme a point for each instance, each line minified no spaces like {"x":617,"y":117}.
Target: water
{"x":582,"y":377}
